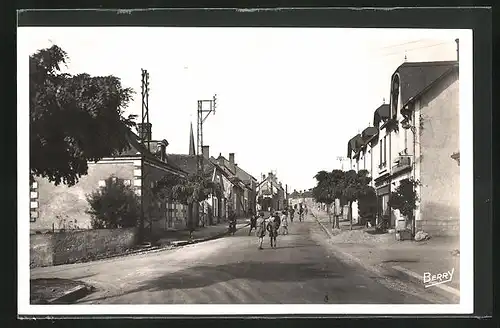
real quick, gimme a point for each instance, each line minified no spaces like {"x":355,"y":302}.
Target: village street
{"x":232,"y":270}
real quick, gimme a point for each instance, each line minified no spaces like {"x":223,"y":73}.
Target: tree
{"x":321,"y":192}
{"x":114,"y":206}
{"x":73,"y":119}
{"x":188,"y":191}
{"x":367,"y":205}
{"x":337,"y":181}
{"x":355,"y":186}
{"x":404,"y":199}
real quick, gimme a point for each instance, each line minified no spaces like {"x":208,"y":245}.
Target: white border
{"x":466,"y":212}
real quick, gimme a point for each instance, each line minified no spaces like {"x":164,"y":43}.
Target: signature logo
{"x":437,"y":279}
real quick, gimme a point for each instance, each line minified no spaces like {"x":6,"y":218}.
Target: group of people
{"x":274,"y":223}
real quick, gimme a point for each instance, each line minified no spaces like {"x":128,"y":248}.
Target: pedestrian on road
{"x":232,"y":223}
{"x":253,"y":224}
{"x":301,"y":212}
{"x":261,"y":229}
{"x":284,"y":223}
{"x":277,"y":219}
{"x":273,"y":231}
{"x":292,"y":212}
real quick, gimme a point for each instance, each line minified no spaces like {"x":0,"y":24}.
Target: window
{"x":381,"y":147}
{"x":102,"y":183}
{"x":33,"y":215}
{"x":385,"y":150}
{"x":395,"y":97}
{"x":406,"y":139}
{"x":34,"y":185}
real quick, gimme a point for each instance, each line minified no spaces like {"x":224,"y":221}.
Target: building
{"x":270,"y":193}
{"x":61,"y":207}
{"x":417,"y":137}
{"x":242,"y":194}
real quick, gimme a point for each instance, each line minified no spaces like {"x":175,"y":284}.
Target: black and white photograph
{"x":244,"y":170}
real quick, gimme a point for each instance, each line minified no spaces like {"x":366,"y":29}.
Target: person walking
{"x":292,"y":212}
{"x":253,"y":224}
{"x":277,"y":219}
{"x":301,"y":212}
{"x":284,"y":223}
{"x":261,"y":229}
{"x":273,"y":231}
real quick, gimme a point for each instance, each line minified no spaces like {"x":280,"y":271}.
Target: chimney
{"x":458,"y":48}
{"x":144,"y":131}
{"x":231,"y":158}
{"x":206,"y":151}
{"x":263,"y":177}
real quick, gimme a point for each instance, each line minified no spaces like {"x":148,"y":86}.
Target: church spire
{"x":192,"y":149}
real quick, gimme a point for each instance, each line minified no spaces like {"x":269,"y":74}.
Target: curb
{"x":208,"y":238}
{"x":71,"y":295}
{"x":348,"y":257}
{"x":402,"y":273}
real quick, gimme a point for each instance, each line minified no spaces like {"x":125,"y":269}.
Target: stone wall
{"x":63,"y":207}
{"x":69,"y":247}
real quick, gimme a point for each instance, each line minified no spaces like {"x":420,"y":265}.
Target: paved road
{"x":233,"y":270}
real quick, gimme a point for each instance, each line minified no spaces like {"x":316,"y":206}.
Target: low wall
{"x":69,"y":247}
{"x":441,"y":227}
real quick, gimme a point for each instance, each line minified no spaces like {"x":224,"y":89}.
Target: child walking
{"x":261,"y":229}
{"x":272,"y":228}
{"x":284,"y":223}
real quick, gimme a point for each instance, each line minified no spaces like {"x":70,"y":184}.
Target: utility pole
{"x":201,"y":120}
{"x":145,"y":141}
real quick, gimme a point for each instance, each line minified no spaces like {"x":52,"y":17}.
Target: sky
{"x":288,"y":99}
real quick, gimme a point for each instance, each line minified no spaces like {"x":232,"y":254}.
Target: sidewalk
{"x":200,"y":234}
{"x":436,"y":255}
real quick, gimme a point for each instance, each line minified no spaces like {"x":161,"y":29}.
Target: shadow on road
{"x":203,"y":276}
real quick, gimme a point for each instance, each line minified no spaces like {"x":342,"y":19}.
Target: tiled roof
{"x":243,"y":175}
{"x":136,"y":148}
{"x":417,"y":76}
{"x":189,"y":163}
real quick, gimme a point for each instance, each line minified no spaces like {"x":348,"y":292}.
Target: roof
{"x":368,"y":133}
{"x":354,"y":144}
{"x":189,"y":163}
{"x":274,"y":181}
{"x":417,"y":76}
{"x":366,"y":136}
{"x":243,"y":175}
{"x":136,"y":148}
{"x":382,"y":113}
{"x":238,"y":171}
